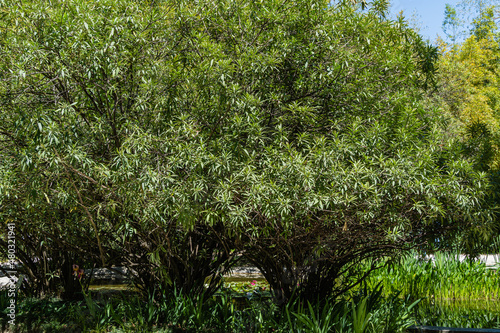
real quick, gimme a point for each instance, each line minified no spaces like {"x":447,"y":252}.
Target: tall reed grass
{"x":443,"y":277}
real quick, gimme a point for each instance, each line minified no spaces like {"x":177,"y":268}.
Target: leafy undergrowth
{"x":240,"y":307}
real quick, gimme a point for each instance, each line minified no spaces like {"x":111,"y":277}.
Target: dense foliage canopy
{"x":168,"y":135}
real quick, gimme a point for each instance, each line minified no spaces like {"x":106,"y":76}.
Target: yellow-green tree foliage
{"x":468,"y":89}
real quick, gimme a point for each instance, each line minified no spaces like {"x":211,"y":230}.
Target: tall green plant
{"x":445,"y":276}
{"x":166,"y":135}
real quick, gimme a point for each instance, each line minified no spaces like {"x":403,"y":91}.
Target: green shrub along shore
{"x":316,"y":140}
{"x":409,"y":292}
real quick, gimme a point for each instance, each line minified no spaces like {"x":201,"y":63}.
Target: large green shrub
{"x":166,"y":135}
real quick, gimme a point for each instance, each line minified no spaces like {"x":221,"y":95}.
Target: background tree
{"x":468,"y":94}
{"x":451,"y":23}
{"x":469,"y":87}
{"x":460,"y":19}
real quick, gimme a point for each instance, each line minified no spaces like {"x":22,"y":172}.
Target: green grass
{"x":444,"y":278}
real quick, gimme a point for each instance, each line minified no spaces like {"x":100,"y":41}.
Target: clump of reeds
{"x":443,"y":276}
